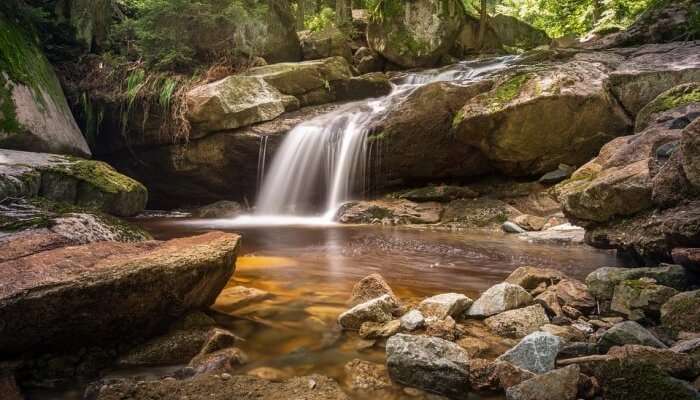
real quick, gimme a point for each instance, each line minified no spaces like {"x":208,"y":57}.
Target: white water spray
{"x":322,"y":161}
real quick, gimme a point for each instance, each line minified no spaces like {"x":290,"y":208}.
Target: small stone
{"x":225,"y":376}
{"x":269,"y":374}
{"x":571,"y":312}
{"x":568,"y":333}
{"x":378,"y":330}
{"x":475,"y":347}
{"x":376,"y":310}
{"x":499,"y":298}
{"x":530,"y":278}
{"x":550,"y":302}
{"x":442,"y":328}
{"x":510,"y":375}
{"x":222,"y":360}
{"x":530,"y":222}
{"x":371,"y":287}
{"x":573,"y":293}
{"x":365,"y":375}
{"x":518,"y":323}
{"x":511,"y":227}
{"x":535,"y":352}
{"x":444,"y":305}
{"x":560,"y":384}
{"x":412,"y":320}
{"x":628,"y":332}
{"x":237,"y":297}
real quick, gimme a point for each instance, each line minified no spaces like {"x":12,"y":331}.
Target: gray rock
{"x":511,"y":227}
{"x":518,"y":323}
{"x":560,"y":384}
{"x":375,"y":310}
{"x":531,"y":277}
{"x":412,"y":320}
{"x":640,"y":298}
{"x":428,"y":363}
{"x":370,"y":287}
{"x":536,"y":352}
{"x":682,"y":312}
{"x":378,"y":330}
{"x":601,"y":282}
{"x":499,"y":298}
{"x":444,"y":305}
{"x":627,"y":332}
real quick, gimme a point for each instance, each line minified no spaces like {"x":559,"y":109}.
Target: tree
{"x":343,"y":12}
{"x":301,"y":14}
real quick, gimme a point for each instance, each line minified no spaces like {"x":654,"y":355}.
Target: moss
{"x":675,"y":97}
{"x":98,"y":174}
{"x":640,"y":381}
{"x":507,"y":91}
{"x":458,"y":118}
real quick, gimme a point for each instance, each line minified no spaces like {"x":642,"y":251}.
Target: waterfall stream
{"x":322,"y":161}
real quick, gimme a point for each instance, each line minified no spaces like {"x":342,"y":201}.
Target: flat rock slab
{"x":237,"y":297}
{"x":105,"y":291}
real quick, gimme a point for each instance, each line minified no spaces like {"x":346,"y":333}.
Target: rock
{"x":219,"y":339}
{"x":175,"y":347}
{"x":567,"y":332}
{"x":503,"y":122}
{"x":676,"y":364}
{"x":573,"y":293}
{"x":467,"y":42}
{"x":282,"y":42}
{"x":475,"y":347}
{"x":417,"y":130}
{"x":364,"y":375}
{"x":370,"y":287}
{"x":399,"y":211}
{"x":602,"y":282}
{"x":36,"y":116}
{"x":641,"y":298}
{"x":309,"y":81}
{"x":690,"y":144}
{"x":441,"y":194}
{"x":555,"y":176}
{"x":90,"y":20}
{"x":510,"y":227}
{"x":375,"y":310}
{"x":89,"y":294}
{"x":530,"y":222}
{"x":412,"y":320}
{"x":442,"y":328}
{"x":689,"y":258}
{"x":509,"y":375}
{"x":378,"y":330}
{"x":362,"y":87}
{"x":682,"y":312}
{"x":530,"y":277}
{"x":269,"y":374}
{"x":499,"y":298}
{"x":536,"y":352}
{"x":478,"y":213}
{"x":366,"y":60}
{"x":329,"y":42}
{"x":314,"y":387}
{"x":560,"y":234}
{"x":513,"y":32}
{"x":428,"y":363}
{"x":233,"y":102}
{"x":560,"y":384}
{"x":416,"y":34}
{"x":236,"y":297}
{"x":445,"y":305}
{"x":628,"y":332}
{"x":548,"y":299}
{"x":85,"y":183}
{"x":225,"y":360}
{"x":518,"y":323}
{"x":220,"y":209}
{"x":577,"y":349}
{"x":672,"y":98}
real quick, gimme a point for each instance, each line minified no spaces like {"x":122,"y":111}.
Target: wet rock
{"x":177,"y":347}
{"x":682,"y":312}
{"x":509,"y":375}
{"x":442,"y":328}
{"x":567,"y":332}
{"x":219,"y":339}
{"x":375,"y":310}
{"x":394,"y":211}
{"x":530,"y":277}
{"x":210,"y":386}
{"x":412,"y":320}
{"x":499,"y":298}
{"x":560,"y":384}
{"x":84,"y":183}
{"x":442,"y":194}
{"x":536,"y":352}
{"x":444,"y":305}
{"x":220,"y":209}
{"x":367,"y":60}
{"x":518,"y":323}
{"x":89,"y":294}
{"x":428,"y":363}
{"x":602,"y":282}
{"x":628,"y":332}
{"x":365,"y":375}
{"x":233,"y":102}
{"x":640,"y":298}
{"x":269,"y":374}
{"x":225,"y":360}
{"x":478,"y":213}
{"x":676,"y":364}
{"x":530,"y":222}
{"x":548,"y":299}
{"x":371,"y":287}
{"x":361,"y":87}
{"x":237,"y":297}
{"x":329,"y":42}
{"x":511,"y":227}
{"x":573,"y":293}
{"x":377,"y":330}
{"x":430,"y":26}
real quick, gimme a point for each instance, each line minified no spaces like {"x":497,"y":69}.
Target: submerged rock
{"x":536,"y":352}
{"x":499,"y":298}
{"x":220,"y":209}
{"x":428,"y":363}
{"x":109,"y":291}
{"x":236,"y":297}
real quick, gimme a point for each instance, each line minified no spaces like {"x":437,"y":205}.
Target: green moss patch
{"x":507,"y":91}
{"x":673,"y":98}
{"x":98,"y":174}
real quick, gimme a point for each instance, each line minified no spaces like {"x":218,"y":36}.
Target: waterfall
{"x":322,"y":161}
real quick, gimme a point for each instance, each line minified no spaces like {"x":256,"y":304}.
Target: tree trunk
{"x":483,"y":21}
{"x":301,"y":14}
{"x":598,"y":9}
{"x":343,"y":12}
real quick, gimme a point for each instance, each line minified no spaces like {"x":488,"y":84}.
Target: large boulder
{"x":234,"y":102}
{"x":85,"y":183}
{"x":329,"y":42}
{"x":428,"y":363}
{"x":416,"y":33}
{"x":34,"y":113}
{"x":506,"y":122}
{"x":108,"y":291}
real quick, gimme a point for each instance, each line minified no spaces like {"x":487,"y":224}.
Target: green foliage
{"x":322,"y":20}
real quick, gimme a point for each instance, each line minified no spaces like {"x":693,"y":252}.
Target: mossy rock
{"x":415,"y":33}
{"x":675,"y":97}
{"x":682,"y":312}
{"x":622,"y":380}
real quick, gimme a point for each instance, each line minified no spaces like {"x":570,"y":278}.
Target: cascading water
{"x":322,"y":160}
